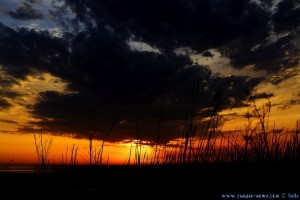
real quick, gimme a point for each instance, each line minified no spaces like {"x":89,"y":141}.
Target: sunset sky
{"x":133,"y":66}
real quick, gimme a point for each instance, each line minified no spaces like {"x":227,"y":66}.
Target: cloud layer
{"x":109,"y":78}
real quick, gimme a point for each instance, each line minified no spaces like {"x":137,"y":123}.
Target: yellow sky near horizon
{"x":30,"y":90}
{"x":285,"y":104}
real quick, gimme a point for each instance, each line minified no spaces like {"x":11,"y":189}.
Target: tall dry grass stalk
{"x":73,"y":157}
{"x":258,"y":142}
{"x":42,"y":148}
{"x":96,"y":152}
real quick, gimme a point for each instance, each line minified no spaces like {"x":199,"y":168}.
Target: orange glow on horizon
{"x":20,"y":149}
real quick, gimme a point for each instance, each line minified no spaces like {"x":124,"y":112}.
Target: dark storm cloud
{"x":110,"y":80}
{"x":72,"y":112}
{"x":170,"y":24}
{"x":8,"y":121}
{"x":280,"y":77}
{"x":4,"y":104}
{"x":241,"y":29}
{"x":289,"y":104}
{"x":26,"y":12}
{"x":119,"y":74}
{"x":5,"y":92}
{"x":9,"y":94}
{"x":287,"y":16}
{"x":272,"y":52}
{"x":23,"y":50}
{"x":270,"y":56}
{"x":33,"y":1}
{"x":5,"y":83}
{"x":207,"y":54}
{"x":263,"y":96}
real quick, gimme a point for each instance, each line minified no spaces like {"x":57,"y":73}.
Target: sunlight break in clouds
{"x":28,"y":90}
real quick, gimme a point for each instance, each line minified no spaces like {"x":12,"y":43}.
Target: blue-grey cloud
{"x":26,"y":12}
{"x":287,"y":15}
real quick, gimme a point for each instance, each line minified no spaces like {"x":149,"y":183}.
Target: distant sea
{"x":19,"y":168}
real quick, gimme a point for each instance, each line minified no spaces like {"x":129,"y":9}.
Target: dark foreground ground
{"x":233,"y":181}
